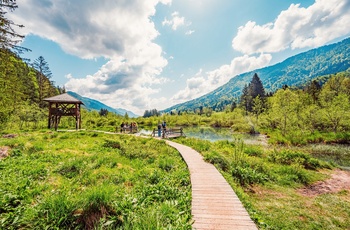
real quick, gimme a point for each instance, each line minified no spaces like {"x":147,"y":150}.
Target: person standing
{"x":159,"y":129}
{"x":122,"y":127}
{"x":164,"y":128}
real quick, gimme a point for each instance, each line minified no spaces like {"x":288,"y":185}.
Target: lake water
{"x":216,"y":134}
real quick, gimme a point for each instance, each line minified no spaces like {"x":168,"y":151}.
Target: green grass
{"x":87,"y":180}
{"x":267,"y":182}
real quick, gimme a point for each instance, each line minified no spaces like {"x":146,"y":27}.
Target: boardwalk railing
{"x":169,"y":133}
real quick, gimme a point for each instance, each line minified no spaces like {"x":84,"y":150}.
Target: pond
{"x":217,"y":134}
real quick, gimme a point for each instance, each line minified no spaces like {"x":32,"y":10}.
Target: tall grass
{"x":268,"y":182}
{"x":80,"y":180}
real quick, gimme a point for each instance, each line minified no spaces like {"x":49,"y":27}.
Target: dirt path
{"x":340,"y":180}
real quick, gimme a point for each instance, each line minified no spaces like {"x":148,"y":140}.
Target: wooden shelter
{"x":63,"y":105}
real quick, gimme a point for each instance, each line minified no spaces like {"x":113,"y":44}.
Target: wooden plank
{"x":214,"y":204}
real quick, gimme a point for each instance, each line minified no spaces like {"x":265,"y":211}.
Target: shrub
{"x":288,"y":157}
{"x":294,"y":173}
{"x":166,"y":164}
{"x":248,"y":176}
{"x":112,"y":144}
{"x":253,"y":151}
{"x":218,"y":160}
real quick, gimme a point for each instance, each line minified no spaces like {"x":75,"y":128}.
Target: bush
{"x":218,"y":160}
{"x":166,"y":164}
{"x":248,"y":176}
{"x":253,"y":151}
{"x":287,"y":157}
{"x":294,"y":173}
{"x":112,"y":144}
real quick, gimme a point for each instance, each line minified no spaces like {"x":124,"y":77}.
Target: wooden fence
{"x":168,"y":133}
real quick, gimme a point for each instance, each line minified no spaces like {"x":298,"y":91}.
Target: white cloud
{"x":120,"y":31}
{"x":296,"y":27}
{"x":203,"y":83}
{"x":69,"y":76}
{"x":175,"y":22}
{"x":189,"y":32}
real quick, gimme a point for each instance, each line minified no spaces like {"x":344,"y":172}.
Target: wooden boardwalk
{"x":214,"y":204}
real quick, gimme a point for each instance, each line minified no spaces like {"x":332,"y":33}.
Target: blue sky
{"x":146,"y":54}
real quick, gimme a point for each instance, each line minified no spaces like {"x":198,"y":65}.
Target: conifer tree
{"x":245,"y":98}
{"x":9,"y":38}
{"x":313,"y":89}
{"x":250,"y":92}
{"x":256,"y":87}
{"x":43,"y":76}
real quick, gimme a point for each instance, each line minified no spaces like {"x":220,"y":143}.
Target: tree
{"x":285,"y":105}
{"x":335,"y":102}
{"x":126,"y":116}
{"x":245,"y":99}
{"x":151,"y":113}
{"x":9,"y":38}
{"x":103,"y":112}
{"x":233,"y":105}
{"x":43,"y":76}
{"x":256,"y":87}
{"x":313,"y":89}
{"x":258,"y":106}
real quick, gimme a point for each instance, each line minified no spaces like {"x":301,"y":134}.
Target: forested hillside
{"x":296,"y":70}
{"x":23,"y":87}
{"x":91,"y":104}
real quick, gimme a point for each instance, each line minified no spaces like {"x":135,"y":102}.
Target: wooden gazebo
{"x":63,"y":105}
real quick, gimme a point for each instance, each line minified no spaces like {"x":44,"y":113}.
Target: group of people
{"x":160,"y":127}
{"x":125,"y":126}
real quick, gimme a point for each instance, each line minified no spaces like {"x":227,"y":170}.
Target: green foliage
{"x":77,"y":180}
{"x":238,"y":152}
{"x":251,"y":165}
{"x":20,"y":91}
{"x":9,"y":36}
{"x":288,"y":157}
{"x":247,"y":176}
{"x":56,"y":212}
{"x":269,"y":181}
{"x":217,"y":160}
{"x":112,"y":144}
{"x":254,"y":151}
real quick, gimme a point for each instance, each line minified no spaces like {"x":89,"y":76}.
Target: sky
{"x":152,"y":54}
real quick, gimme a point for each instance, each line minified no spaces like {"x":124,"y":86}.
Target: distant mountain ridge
{"x":296,"y":70}
{"x":92,"y":104}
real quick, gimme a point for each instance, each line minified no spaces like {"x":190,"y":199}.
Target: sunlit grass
{"x":82,"y":180}
{"x":267,"y":181}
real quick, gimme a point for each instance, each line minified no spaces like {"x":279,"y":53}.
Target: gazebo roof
{"x":63,"y":98}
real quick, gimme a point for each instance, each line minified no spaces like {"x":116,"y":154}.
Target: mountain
{"x":91,"y":104}
{"x":294,"y":71}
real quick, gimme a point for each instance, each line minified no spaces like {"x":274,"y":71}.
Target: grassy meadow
{"x":270,"y":181}
{"x":89,"y":180}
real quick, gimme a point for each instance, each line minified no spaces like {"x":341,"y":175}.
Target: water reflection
{"x":217,"y":134}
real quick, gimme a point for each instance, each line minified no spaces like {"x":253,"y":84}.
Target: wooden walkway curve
{"x":214,"y":204}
